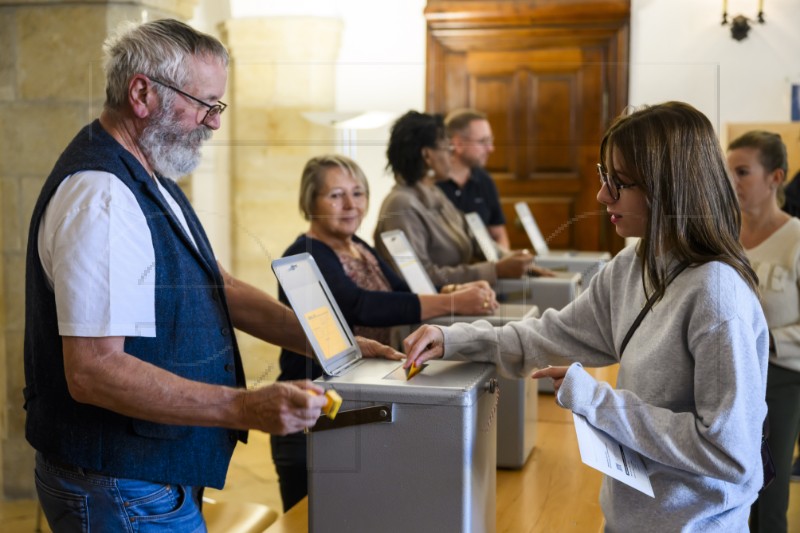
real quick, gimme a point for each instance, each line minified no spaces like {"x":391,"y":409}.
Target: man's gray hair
{"x":160,"y":49}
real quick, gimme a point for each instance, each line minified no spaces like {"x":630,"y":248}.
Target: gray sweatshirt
{"x":690,"y":389}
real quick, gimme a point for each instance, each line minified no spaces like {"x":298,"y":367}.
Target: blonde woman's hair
{"x":313,"y":178}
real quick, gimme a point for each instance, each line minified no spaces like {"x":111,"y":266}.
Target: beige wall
{"x":280,"y":68}
{"x":4,"y":403}
{"x":51,"y":84}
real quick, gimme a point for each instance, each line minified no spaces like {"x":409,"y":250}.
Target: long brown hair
{"x":671,"y":152}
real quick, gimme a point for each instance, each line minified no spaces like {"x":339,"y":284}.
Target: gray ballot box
{"x":517,"y":413}
{"x":517,"y":406}
{"x":586,"y":263}
{"x":416,"y":455}
{"x":545,"y":293}
{"x":548,"y":292}
{"x":401,"y":455}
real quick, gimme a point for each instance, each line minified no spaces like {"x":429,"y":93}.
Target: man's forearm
{"x":100,"y":373}
{"x":500,"y":236}
{"x":262,"y":316}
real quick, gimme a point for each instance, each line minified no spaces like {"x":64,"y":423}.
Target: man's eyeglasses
{"x":213,"y":109}
{"x":611,"y":184}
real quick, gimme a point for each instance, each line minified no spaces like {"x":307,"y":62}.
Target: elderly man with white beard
{"x":135,"y":392}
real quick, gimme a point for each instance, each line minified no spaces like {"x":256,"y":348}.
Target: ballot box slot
{"x":355,"y":417}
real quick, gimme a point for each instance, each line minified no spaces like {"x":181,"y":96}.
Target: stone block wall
{"x":281,"y":67}
{"x":51,"y":84}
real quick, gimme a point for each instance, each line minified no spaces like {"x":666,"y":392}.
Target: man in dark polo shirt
{"x":470,"y":187}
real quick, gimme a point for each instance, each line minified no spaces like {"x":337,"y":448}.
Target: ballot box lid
{"x":457,"y":383}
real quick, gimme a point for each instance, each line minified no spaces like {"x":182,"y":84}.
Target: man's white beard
{"x":171,"y":151}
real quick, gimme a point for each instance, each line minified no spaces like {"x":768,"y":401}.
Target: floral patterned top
{"x":366,"y":273}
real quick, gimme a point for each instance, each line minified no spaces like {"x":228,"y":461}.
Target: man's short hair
{"x":458,"y":120}
{"x":159,"y":48}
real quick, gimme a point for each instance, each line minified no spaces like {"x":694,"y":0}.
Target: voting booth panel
{"x":428,"y":465}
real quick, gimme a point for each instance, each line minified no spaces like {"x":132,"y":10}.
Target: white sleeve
{"x":97,"y":252}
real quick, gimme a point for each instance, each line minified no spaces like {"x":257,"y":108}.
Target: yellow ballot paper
{"x":334,"y":402}
{"x":324,"y":328}
{"x":413,"y":370}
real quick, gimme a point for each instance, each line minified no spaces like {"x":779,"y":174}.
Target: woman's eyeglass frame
{"x":614,"y":187}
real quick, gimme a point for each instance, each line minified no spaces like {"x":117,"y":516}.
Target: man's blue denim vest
{"x":194,"y":339}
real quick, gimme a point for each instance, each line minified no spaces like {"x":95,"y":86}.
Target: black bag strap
{"x":650,"y":302}
{"x":766,"y":454}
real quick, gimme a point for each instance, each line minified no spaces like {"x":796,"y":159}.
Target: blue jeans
{"x":78,"y":500}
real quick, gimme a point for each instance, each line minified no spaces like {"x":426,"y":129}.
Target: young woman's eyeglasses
{"x":213,"y":109}
{"x":612,"y":184}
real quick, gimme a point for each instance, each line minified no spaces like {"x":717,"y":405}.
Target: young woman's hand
{"x":423,"y":344}
{"x":556,"y":373}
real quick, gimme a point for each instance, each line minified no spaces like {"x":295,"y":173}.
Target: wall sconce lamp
{"x":740,"y":25}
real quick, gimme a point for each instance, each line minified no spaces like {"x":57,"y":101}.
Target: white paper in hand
{"x":603,"y":453}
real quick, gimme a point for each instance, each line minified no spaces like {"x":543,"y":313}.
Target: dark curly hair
{"x":410,"y":134}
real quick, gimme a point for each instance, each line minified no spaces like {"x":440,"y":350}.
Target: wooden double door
{"x":550,"y":75}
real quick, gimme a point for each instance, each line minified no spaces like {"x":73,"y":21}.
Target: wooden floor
{"x":554,"y":492}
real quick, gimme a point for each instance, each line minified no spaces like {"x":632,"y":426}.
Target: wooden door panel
{"x":485,"y":63}
{"x":552,"y":124}
{"x":495,"y":96}
{"x":550,"y":75}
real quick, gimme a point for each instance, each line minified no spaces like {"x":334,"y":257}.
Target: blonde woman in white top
{"x":771,"y":238}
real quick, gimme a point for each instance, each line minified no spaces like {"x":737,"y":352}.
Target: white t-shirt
{"x":97,"y":253}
